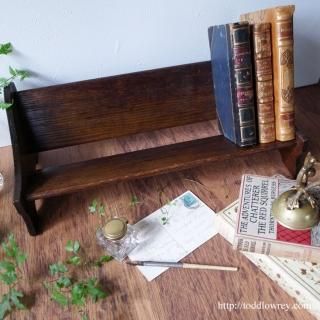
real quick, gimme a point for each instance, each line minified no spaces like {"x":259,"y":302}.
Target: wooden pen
{"x":180,"y":265}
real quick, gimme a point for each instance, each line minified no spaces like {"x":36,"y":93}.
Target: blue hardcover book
{"x":233,"y":82}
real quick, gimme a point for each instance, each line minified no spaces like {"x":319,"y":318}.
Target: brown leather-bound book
{"x":261,"y":33}
{"x":281,"y":19}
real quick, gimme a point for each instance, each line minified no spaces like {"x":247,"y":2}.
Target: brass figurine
{"x":297,"y":208}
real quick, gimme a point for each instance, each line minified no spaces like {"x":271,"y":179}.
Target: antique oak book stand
{"x":77,"y":113}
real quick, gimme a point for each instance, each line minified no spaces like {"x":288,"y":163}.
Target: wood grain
{"x":55,"y":181}
{"x":24,"y":163}
{"x":177,"y":294}
{"x":93,"y":110}
{"x":174,"y":295}
{"x":83,"y":112}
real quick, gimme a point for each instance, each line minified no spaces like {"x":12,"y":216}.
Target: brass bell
{"x":296,"y":209}
{"x":302,"y":218}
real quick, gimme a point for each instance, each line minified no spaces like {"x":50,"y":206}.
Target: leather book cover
{"x":233,"y":84}
{"x":281,"y":19}
{"x":262,"y":53}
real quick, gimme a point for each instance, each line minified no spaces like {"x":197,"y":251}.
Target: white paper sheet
{"x":186,"y":229}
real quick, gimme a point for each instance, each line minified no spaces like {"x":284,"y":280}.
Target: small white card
{"x":172,"y":232}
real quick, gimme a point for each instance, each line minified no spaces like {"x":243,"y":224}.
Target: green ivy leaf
{"x":64,"y":282}
{"x":16,"y":73}
{"x":101,"y":210}
{"x":12,"y":71}
{"x":97,"y":207}
{"x":9,"y":247}
{"x":93,"y":206}
{"x":57,"y":268}
{"x":5,"y":306}
{"x":8,"y":278}
{"x":102,"y":260}
{"x":21,"y":258}
{"x":4,"y":105}
{"x":9,"y":275}
{"x":69,"y":246}
{"x":76,"y":246}
{"x":9,"y":301}
{"x":59,"y":297}
{"x":6,"y":48}
{"x":22,"y":74}
{"x":95,"y":291}
{"x":12,"y":250}
{"x":84,"y":317}
{"x":74,"y":260}
{"x":78,"y":294}
{"x":7,"y":266}
{"x":3,"y":82}
{"x":72,"y":246}
{"x":15,"y":297}
{"x":134,"y":201}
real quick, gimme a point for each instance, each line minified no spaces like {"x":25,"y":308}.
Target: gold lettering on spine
{"x":264,"y":83}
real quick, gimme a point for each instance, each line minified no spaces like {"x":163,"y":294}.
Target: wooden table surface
{"x":176,"y":294}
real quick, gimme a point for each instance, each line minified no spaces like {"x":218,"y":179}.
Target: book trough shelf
{"x":71,"y":114}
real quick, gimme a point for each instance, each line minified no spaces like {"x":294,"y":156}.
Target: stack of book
{"x":253,"y":76}
{"x":289,"y":257}
{"x":257,"y":230}
{"x":300,"y":279}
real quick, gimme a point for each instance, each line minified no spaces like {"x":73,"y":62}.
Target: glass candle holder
{"x":117,"y":237}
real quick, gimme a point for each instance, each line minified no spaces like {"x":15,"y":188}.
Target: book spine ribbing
{"x":284,"y":74}
{"x":276,"y":248}
{"x":281,"y":19}
{"x":244,"y":107}
{"x":262,"y":49}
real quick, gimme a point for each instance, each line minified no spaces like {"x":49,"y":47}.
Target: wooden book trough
{"x":77,"y":113}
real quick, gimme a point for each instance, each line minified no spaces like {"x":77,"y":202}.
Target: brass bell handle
{"x":302,"y":186}
{"x":306,"y":171}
